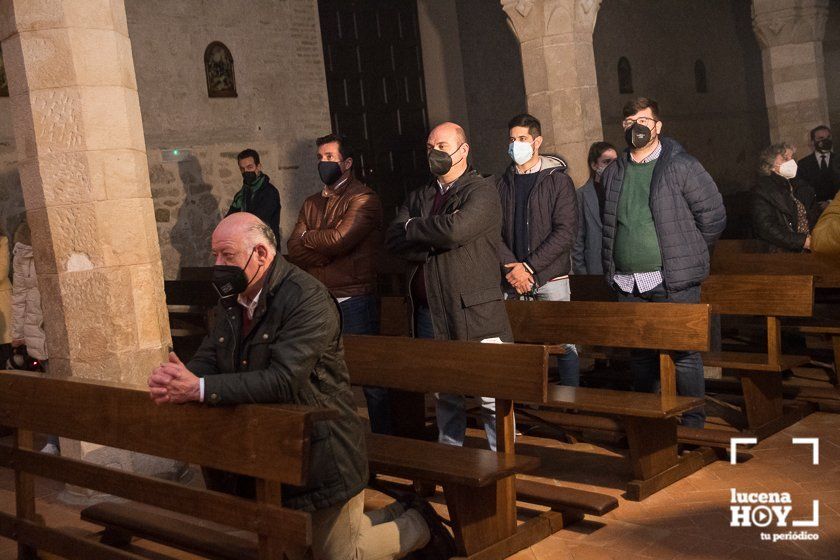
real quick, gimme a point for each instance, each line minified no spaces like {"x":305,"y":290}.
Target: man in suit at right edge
{"x":821,"y":169}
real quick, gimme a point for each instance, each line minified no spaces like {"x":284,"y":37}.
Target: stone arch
{"x":625,"y":76}
{"x":700,"y":84}
{"x":218,"y":67}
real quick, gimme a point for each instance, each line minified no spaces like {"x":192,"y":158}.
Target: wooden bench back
{"x":268,"y":442}
{"x":824,"y":268}
{"x":505,"y":371}
{"x":264,"y":441}
{"x":759,"y":294}
{"x":662,"y":326}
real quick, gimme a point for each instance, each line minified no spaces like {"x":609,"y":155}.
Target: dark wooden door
{"x":377,"y":94}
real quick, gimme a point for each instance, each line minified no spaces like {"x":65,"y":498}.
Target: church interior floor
{"x":687,"y":520}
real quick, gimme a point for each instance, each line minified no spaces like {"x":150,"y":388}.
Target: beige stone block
{"x":561,"y":66}
{"x":792,"y":92}
{"x":535,"y":72}
{"x":111,"y":117}
{"x":54,"y":119}
{"x":32,"y":15}
{"x":150,"y":226}
{"x":795,"y":73}
{"x":23,"y":126}
{"x":121,"y":231}
{"x":48,"y":57}
{"x":60,"y":178}
{"x":102,"y":57}
{"x":121,"y":173}
{"x":136,"y":366}
{"x":794,"y":54}
{"x":74,"y":237}
{"x":147,"y":289}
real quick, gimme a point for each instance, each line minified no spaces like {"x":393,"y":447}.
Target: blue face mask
{"x":520,"y":152}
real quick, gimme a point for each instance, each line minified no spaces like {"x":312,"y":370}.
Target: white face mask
{"x":788,"y":169}
{"x":521,"y":152}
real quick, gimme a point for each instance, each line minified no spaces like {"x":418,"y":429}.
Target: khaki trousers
{"x":347,"y":532}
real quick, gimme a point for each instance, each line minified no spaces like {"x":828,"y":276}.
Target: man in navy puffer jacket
{"x":662,"y":214}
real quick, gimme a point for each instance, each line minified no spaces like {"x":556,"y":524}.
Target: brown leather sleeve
{"x":364,"y":214}
{"x":298,"y":253}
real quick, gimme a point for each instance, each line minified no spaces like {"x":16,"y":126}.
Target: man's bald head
{"x":246,"y":229}
{"x":449,"y":131}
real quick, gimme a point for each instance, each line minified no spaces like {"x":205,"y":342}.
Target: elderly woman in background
{"x":825,"y":238}
{"x":783,"y":208}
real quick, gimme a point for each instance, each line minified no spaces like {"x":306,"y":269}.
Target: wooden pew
{"x":241,"y":439}
{"x":728,"y":258}
{"x":484,"y":515}
{"x":649,"y":420}
{"x":503,"y":371}
{"x":771,"y":297}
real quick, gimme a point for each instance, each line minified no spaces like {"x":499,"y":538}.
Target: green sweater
{"x":636,"y":246}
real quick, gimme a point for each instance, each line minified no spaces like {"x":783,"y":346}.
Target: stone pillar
{"x":83,"y":168}
{"x":559,"y":65}
{"x":790,"y":33}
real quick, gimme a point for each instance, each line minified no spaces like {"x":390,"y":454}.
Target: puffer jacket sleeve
{"x":767,"y":227}
{"x":18,"y":300}
{"x":564,"y":221}
{"x":705,"y":202}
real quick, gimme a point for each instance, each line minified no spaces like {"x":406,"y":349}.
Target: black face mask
{"x":230,"y":280}
{"x":329,"y":171}
{"x":637,"y":136}
{"x":440,"y":162}
{"x":825,"y":145}
{"x":249,"y":177}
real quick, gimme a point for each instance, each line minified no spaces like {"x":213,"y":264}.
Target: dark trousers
{"x":360,"y":315}
{"x":644,"y":364}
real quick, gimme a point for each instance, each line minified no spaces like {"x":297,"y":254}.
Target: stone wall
{"x":280,"y":109}
{"x":831,"y":51}
{"x":724,"y":128}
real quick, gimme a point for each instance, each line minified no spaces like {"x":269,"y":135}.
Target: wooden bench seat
{"x":447,"y":464}
{"x":752,"y":361}
{"x":125,"y":521}
{"x":620,"y":403}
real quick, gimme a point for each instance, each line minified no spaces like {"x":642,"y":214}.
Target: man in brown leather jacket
{"x":337,"y":239}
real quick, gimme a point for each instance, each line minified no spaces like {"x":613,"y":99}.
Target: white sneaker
{"x":51,"y":449}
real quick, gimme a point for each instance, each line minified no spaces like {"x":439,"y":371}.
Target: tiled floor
{"x":688,"y":520}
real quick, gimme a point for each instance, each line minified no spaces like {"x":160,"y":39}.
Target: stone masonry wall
{"x":280,"y":109}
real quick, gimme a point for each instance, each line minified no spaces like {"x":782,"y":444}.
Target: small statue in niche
{"x":4,"y":85}
{"x":218,"y":66}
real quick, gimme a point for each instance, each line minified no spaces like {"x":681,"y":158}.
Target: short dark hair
{"x":344,"y":146}
{"x":817,"y":129}
{"x":639,"y":104}
{"x":596,"y":150}
{"x":524,"y":119}
{"x":248,"y":153}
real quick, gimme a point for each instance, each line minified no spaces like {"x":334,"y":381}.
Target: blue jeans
{"x":360,"y":315}
{"x":568,"y":364}
{"x":451,"y":410}
{"x":645,"y":363}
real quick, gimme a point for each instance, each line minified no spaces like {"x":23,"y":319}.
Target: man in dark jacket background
{"x":662,"y":214}
{"x":449,"y":231}
{"x":279,"y":341}
{"x":821,"y":168}
{"x":539,"y":224}
{"x":257,"y":195}
{"x":338,"y":240}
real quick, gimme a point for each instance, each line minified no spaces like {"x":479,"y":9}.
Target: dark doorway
{"x":377,"y":94}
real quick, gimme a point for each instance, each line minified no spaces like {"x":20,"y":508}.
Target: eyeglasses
{"x":644,"y":121}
